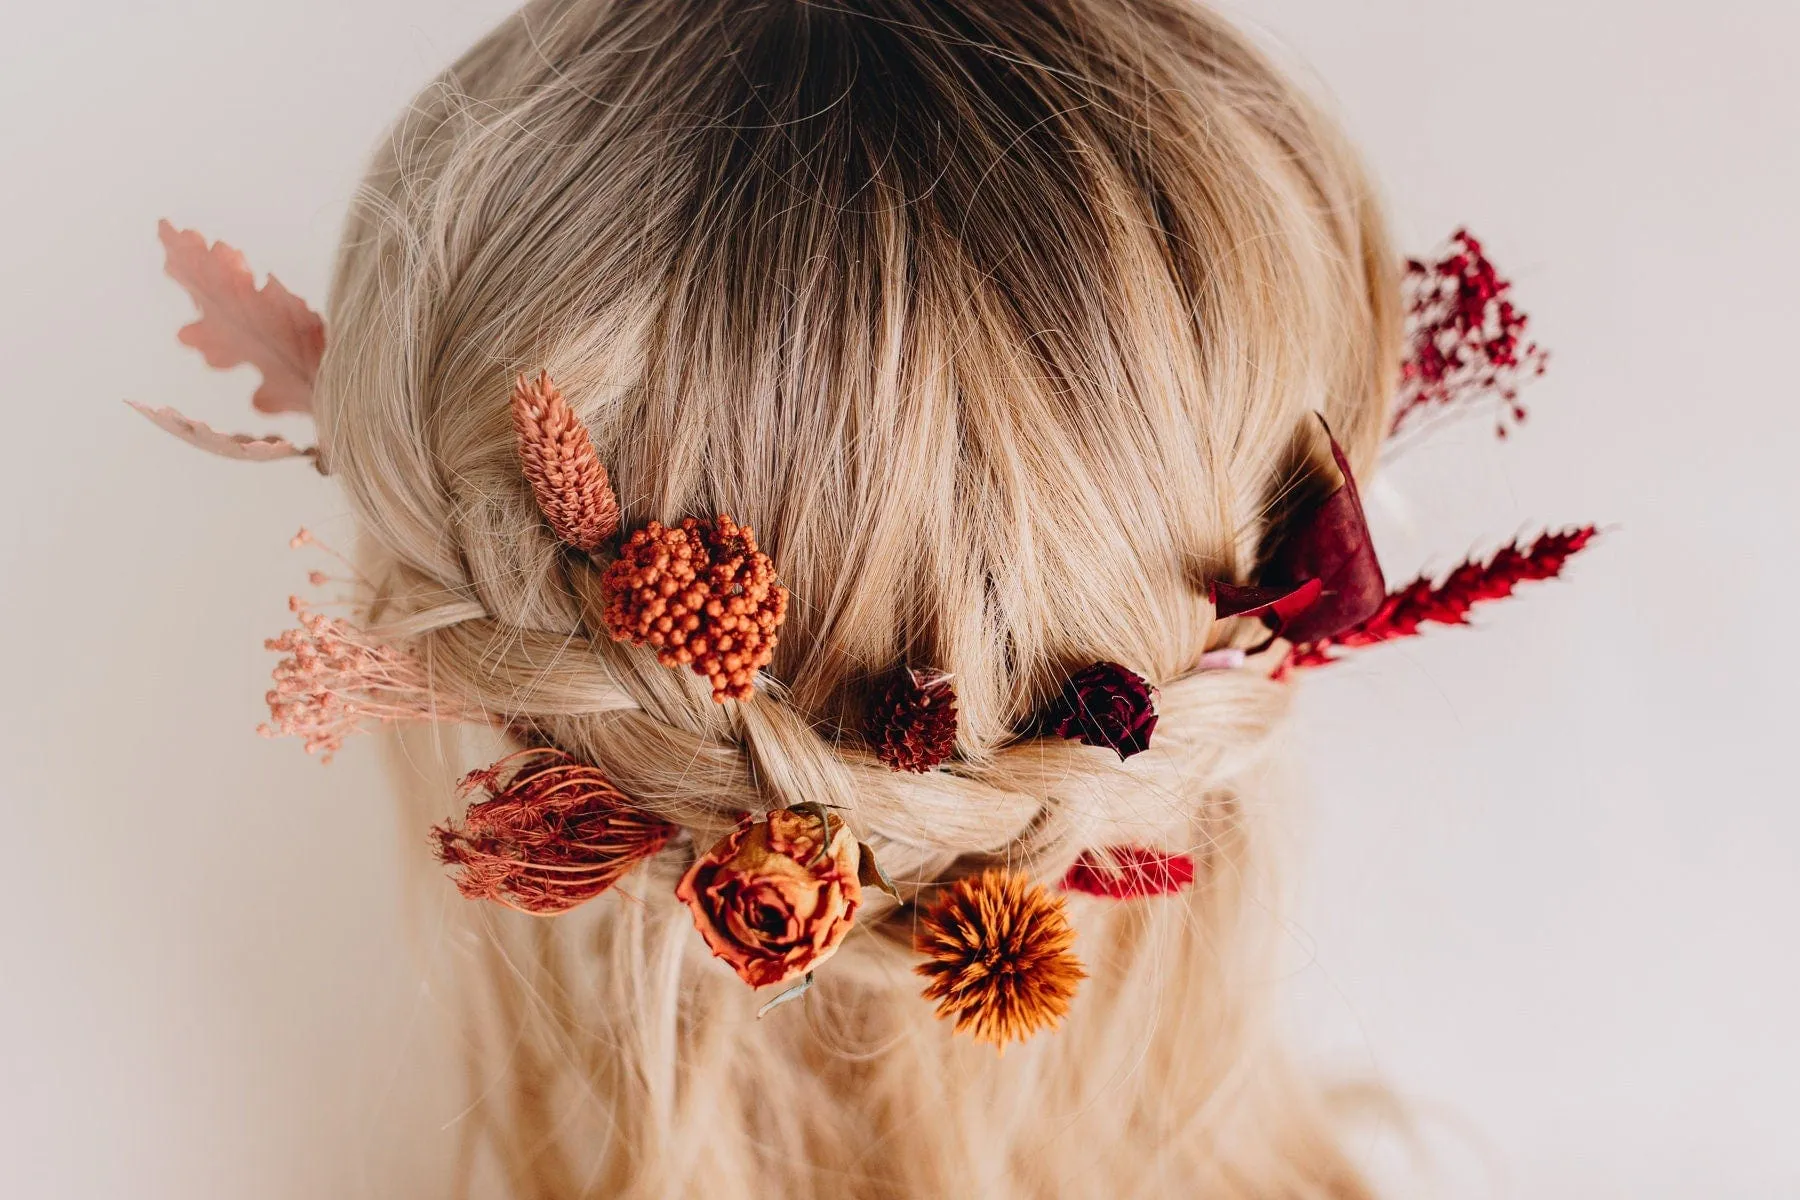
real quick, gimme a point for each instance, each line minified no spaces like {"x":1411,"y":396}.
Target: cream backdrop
{"x":1549,"y":881}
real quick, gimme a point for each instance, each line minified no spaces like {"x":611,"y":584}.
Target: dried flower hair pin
{"x":701,"y":593}
{"x":775,"y":897}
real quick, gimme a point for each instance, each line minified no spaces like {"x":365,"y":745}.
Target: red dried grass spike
{"x":334,"y":677}
{"x":703,"y":595}
{"x":912,"y":721}
{"x":1449,"y":603}
{"x":1465,"y":338}
{"x":552,"y":833}
{"x":1128,"y":873}
{"x":559,"y":462}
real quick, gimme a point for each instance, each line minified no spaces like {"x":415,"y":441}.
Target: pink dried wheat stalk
{"x":559,"y":462}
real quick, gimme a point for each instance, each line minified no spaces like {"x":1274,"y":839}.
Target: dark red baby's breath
{"x":1465,"y":338}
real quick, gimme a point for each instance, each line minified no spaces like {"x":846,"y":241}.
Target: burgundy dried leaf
{"x":912,"y":721}
{"x":1104,"y":705}
{"x":1465,"y":339}
{"x":1448,"y":603}
{"x":1322,"y":577}
{"x":1129,"y":872}
{"x":551,"y":833}
{"x":269,"y":327}
{"x":241,"y":446}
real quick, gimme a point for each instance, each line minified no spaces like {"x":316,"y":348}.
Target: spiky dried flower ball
{"x":551,"y":833}
{"x":703,"y":595}
{"x":557,"y":458}
{"x":912,"y":721}
{"x":999,"y":957}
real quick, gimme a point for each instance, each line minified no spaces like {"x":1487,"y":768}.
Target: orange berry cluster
{"x":703,"y":595}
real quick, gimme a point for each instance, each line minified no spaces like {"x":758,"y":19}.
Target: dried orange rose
{"x":774,"y":898}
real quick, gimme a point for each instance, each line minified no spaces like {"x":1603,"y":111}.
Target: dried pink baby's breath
{"x":334,"y":678}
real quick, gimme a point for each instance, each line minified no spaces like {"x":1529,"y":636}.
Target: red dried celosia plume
{"x":552,"y":833}
{"x":559,"y":462}
{"x":1448,"y":603}
{"x":1465,"y":338}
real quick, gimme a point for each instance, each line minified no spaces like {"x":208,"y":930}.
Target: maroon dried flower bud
{"x":552,"y":833}
{"x":1104,"y":705}
{"x":912,"y":721}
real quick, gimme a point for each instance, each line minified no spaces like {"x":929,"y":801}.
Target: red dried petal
{"x":1129,"y":872}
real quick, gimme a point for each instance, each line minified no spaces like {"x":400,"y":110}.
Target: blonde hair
{"x":1002,"y":322}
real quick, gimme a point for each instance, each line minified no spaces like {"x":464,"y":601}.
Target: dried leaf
{"x":269,"y":327}
{"x":1322,"y":576}
{"x":870,"y":875}
{"x":242,"y":446}
{"x":789,"y":994}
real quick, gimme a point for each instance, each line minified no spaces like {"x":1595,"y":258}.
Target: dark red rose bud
{"x":912,"y":721}
{"x":1105,"y":705}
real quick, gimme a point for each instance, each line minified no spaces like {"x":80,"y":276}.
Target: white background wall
{"x":1552,"y":882}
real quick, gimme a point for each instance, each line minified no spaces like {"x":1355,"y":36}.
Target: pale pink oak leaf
{"x":269,"y":327}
